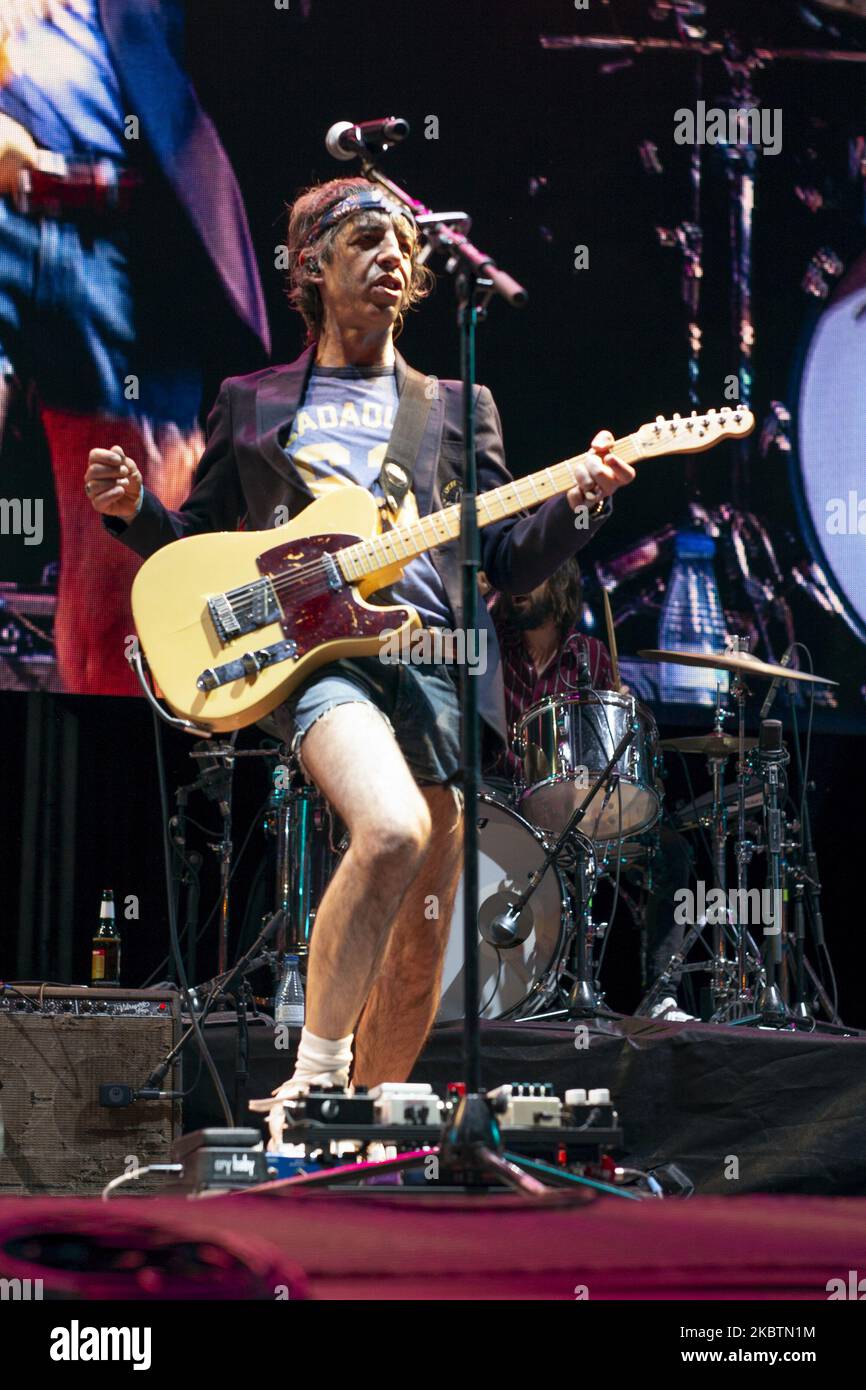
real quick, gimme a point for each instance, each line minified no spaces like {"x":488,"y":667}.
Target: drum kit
{"x":589,"y":784}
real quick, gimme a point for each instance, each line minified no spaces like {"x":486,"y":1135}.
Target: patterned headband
{"x":356,"y":202}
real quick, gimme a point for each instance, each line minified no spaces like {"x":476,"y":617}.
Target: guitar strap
{"x":398,"y":468}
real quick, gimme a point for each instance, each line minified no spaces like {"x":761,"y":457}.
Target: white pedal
{"x":528,"y":1104}
{"x":402,"y":1103}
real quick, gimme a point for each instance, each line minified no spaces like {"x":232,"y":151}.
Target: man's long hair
{"x":303,"y":293}
{"x":564,"y":593}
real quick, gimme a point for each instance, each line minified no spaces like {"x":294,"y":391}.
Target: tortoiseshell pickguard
{"x":315,"y":613}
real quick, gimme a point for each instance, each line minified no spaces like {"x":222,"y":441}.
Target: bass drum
{"x":828,"y":466}
{"x":509,"y":850}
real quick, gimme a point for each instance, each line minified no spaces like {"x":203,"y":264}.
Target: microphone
{"x":775,"y":683}
{"x":770,"y":746}
{"x":506,"y":927}
{"x":584,"y":676}
{"x":346,"y":140}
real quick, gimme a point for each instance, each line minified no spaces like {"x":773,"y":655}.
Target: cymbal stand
{"x":771,"y":1005}
{"x":742,"y":1005}
{"x":807,"y":877}
{"x":720,"y":986}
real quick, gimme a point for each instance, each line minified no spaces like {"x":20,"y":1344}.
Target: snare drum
{"x":565,"y":741}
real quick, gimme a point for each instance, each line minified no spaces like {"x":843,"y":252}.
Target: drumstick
{"x":611,"y":641}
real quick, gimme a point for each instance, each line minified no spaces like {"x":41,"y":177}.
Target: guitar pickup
{"x":244,"y":610}
{"x":246,"y":666}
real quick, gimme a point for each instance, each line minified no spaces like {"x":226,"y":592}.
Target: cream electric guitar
{"x":231,"y":622}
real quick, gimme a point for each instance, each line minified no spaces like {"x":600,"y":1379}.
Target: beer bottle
{"x":105,"y":956}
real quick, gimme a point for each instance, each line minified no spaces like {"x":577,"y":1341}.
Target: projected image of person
{"x":125,"y":257}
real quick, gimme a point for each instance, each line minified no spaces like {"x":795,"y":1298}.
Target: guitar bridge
{"x":244,"y":610}
{"x":246,"y":666}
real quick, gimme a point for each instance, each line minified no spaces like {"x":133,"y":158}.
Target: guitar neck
{"x":405,"y":542}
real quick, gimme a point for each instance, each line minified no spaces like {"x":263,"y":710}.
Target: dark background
{"x":603,"y":347}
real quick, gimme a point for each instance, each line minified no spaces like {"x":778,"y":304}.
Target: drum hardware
{"x":771,"y":1006}
{"x":746,"y":987}
{"x":300,"y":823}
{"x":584,"y":999}
{"x":806,"y":876}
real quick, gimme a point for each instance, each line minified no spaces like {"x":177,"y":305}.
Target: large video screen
{"x":139,"y":221}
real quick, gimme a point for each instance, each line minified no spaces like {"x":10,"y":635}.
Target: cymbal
{"x":711,"y":745}
{"x":741,"y":663}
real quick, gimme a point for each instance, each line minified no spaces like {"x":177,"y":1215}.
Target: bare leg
{"x":402,"y":1005}
{"x":353,"y":758}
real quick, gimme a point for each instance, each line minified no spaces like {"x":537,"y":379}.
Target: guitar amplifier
{"x":58,"y":1045}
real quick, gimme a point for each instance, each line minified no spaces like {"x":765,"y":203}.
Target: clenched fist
{"x":113,"y":483}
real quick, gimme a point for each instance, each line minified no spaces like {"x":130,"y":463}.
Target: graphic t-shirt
{"x":338,"y":436}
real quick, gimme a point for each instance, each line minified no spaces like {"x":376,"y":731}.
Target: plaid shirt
{"x":524,"y":687}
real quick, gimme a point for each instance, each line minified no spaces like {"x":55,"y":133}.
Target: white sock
{"x":323,"y":1060}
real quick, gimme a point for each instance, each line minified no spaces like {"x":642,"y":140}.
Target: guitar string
{"x":307,"y":576}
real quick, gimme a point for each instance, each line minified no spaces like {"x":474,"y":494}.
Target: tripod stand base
{"x":583,"y":1001}
{"x":771,"y":1007}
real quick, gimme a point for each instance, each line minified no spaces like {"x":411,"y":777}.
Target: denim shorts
{"x":419,"y":703}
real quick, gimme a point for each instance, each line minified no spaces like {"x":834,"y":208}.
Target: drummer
{"x":543,"y":648}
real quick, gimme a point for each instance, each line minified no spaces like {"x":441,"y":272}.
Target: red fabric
{"x":93,"y":627}
{"x":503,"y":1247}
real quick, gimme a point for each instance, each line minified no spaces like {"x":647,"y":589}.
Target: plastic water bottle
{"x":692,"y":621}
{"x":289,"y":1001}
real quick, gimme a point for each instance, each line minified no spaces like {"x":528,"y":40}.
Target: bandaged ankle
{"x":321,"y":1058}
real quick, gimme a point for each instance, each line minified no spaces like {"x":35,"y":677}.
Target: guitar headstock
{"x":689,"y":434}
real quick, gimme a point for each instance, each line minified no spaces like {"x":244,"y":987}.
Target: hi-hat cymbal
{"x":710,"y":745}
{"x":742,"y":663}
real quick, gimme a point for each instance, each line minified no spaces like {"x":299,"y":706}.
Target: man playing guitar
{"x":380,"y":741}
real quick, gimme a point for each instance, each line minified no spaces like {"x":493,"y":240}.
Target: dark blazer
{"x":244,"y":474}
{"x":144,"y":40}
